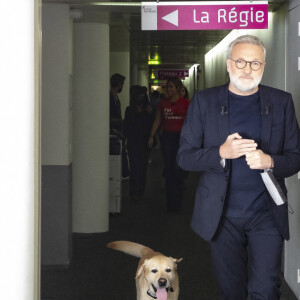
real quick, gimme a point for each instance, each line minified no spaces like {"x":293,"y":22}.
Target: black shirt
{"x":246,"y":194}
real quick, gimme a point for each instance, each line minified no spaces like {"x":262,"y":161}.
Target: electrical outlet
{"x":298,"y":175}
{"x":298,"y":275}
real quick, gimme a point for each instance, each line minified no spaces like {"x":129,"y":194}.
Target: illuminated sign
{"x":155,"y":60}
{"x":204,"y":15}
{"x":166,"y":74}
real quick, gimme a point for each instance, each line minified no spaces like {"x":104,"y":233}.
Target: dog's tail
{"x":131,"y":248}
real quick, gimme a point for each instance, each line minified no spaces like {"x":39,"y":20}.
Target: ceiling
{"x":177,"y":49}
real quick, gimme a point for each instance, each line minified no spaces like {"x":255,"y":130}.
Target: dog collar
{"x":153,"y":295}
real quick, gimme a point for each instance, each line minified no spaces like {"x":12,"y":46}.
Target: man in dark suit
{"x":231,"y":134}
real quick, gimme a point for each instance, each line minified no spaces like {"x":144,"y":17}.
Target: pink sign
{"x":215,"y":15}
{"x":166,"y":74}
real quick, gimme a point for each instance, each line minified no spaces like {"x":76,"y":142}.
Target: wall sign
{"x":204,"y":15}
{"x":166,"y":74}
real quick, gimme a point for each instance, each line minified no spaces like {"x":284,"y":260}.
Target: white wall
{"x":143,"y":76}
{"x":56,"y":84}
{"x":191,"y":82}
{"x":139,"y":75}
{"x":215,"y":63}
{"x":20,"y":31}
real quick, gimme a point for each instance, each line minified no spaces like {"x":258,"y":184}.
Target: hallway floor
{"x":99,"y":273}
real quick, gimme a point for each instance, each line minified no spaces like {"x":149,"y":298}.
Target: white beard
{"x":244,"y":86}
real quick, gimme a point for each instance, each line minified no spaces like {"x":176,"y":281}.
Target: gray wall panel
{"x":56,"y":248}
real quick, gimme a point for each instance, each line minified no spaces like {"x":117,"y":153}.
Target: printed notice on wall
{"x":204,"y":15}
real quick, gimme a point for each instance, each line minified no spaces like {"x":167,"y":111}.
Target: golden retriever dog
{"x":156,"y":275}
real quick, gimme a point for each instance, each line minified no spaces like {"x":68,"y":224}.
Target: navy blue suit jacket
{"x":206,"y":129}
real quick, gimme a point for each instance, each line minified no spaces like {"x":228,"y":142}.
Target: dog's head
{"x":159,"y":271}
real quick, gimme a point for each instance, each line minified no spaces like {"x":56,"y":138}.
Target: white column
{"x":19,"y":151}
{"x":91,"y":128}
{"x":143,"y":76}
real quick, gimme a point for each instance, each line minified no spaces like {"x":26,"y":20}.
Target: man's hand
{"x":235,"y":146}
{"x":259,"y":160}
{"x":150,"y":142}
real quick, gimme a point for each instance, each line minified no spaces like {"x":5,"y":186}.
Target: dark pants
{"x":125,"y":168}
{"x":138,"y":153}
{"x":174,"y":175}
{"x":264,"y":243}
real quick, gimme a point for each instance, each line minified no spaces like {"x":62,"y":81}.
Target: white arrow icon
{"x":172,"y":18}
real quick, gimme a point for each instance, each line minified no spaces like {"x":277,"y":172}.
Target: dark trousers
{"x":174,"y":175}
{"x":264,"y":243}
{"x":125,"y":168}
{"x":138,"y":153}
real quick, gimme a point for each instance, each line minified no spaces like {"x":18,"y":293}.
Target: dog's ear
{"x":176,"y":260}
{"x":141,"y":269}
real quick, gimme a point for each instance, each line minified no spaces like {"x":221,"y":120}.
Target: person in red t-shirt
{"x":170,"y":114}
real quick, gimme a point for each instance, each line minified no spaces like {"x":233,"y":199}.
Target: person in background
{"x":137,"y":126}
{"x":115,"y":120}
{"x":170,"y":113}
{"x":154,"y":98}
{"x":233,"y":133}
{"x":145,"y":91}
{"x":185,"y":92}
{"x":116,"y":86}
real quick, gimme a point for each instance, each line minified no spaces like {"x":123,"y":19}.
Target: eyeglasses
{"x":241,"y":64}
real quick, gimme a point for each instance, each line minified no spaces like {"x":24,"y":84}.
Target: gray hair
{"x":246,"y":39}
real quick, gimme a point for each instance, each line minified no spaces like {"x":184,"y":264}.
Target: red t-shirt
{"x":173,"y":113}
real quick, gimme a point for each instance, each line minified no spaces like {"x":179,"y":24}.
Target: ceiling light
{"x":115,"y":3}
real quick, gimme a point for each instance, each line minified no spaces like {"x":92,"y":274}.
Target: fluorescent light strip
{"x":204,"y":3}
{"x":93,"y":3}
{"x":115,"y":3}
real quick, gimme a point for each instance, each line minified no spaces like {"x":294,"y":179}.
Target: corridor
{"x":98,"y":273}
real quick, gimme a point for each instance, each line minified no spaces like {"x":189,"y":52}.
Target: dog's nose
{"x":162,"y":282}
